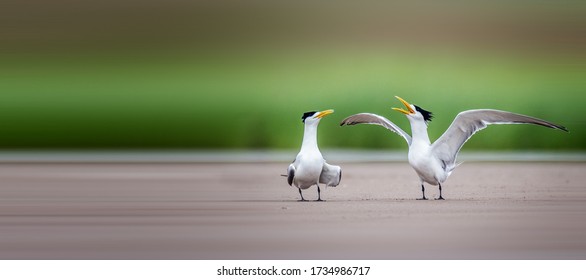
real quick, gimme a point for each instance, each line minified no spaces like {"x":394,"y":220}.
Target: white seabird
{"x":309,"y":167}
{"x":435,"y":162}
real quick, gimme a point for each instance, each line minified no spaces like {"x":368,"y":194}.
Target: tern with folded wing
{"x":309,"y":167}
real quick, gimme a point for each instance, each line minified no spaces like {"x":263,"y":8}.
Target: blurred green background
{"x":239,"y":74}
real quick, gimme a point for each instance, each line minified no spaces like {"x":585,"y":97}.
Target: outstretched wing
{"x":368,"y":118}
{"x":469,"y":122}
{"x":290,"y":174}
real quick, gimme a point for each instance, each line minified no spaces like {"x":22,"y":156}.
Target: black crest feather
{"x":307,"y":115}
{"x":427,"y":115}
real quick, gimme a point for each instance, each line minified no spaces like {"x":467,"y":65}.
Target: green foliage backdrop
{"x":228,"y":74}
{"x":254,"y":99}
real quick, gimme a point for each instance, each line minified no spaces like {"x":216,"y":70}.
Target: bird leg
{"x":318,"y":194}
{"x":423,"y":191}
{"x":302,"y":199}
{"x":440,"y":189}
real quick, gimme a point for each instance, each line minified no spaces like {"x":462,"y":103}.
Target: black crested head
{"x":427,"y":115}
{"x":307,"y":115}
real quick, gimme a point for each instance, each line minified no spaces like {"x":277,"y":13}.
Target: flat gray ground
{"x":247,"y":211}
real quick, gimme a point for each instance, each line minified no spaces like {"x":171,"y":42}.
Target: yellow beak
{"x":324,"y":113}
{"x":409,"y":109}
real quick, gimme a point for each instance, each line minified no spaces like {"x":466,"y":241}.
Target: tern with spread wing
{"x":434,"y":162}
{"x":310,"y":167}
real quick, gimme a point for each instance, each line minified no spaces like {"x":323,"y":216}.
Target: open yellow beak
{"x":409,"y":109}
{"x":324,"y":113}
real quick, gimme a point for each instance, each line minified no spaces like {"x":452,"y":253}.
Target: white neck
{"x":419,"y":132}
{"x":310,"y":137}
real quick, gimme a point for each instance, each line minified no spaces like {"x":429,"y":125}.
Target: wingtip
{"x":561,"y":127}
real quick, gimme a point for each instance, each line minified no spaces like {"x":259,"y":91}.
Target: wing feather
{"x":368,"y":118}
{"x":330,"y":175}
{"x":290,"y":174}
{"x":469,"y":122}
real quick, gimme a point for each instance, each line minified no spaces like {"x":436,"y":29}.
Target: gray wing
{"x":330,"y":175}
{"x":469,"y":122}
{"x":368,"y":118}
{"x":290,"y":174}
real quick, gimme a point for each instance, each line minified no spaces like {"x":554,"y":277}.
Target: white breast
{"x":427,"y":166}
{"x":307,"y":171}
